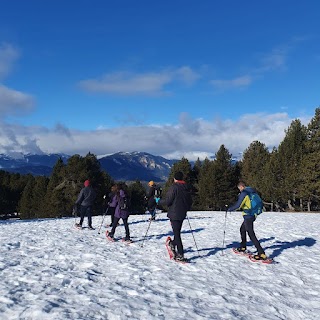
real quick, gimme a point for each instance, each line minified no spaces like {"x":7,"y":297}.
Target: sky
{"x":52,"y":271}
{"x":172,"y":78}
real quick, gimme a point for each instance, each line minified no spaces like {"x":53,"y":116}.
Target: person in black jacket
{"x":178,"y":200}
{"x":86,"y":199}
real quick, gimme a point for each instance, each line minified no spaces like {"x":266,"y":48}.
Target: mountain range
{"x":125,"y":166}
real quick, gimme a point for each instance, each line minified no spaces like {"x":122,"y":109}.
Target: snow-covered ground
{"x":50,"y":270}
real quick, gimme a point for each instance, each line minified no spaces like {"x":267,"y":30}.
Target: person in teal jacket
{"x":249,"y":216}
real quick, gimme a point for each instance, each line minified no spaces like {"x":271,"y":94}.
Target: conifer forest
{"x":287,"y":178}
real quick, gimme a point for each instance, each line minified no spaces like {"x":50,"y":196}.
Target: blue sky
{"x":173,"y":78}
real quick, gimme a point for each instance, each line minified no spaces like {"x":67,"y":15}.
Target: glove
{"x":104,"y":196}
{"x":157,"y":200}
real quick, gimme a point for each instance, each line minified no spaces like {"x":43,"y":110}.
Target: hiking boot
{"x":261,"y":256}
{"x":180,"y":258}
{"x":110,"y":235}
{"x":240,"y":249}
{"x":127,"y":239}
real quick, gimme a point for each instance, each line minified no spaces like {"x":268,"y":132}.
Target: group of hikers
{"x":178,"y":201}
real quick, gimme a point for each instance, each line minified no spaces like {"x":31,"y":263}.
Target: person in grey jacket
{"x":86,"y":199}
{"x":178,"y":200}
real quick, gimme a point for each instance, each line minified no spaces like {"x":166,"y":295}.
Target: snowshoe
{"x":127,"y":240}
{"x":171,"y":249}
{"x":110,"y":236}
{"x":260,"y":258}
{"x":241,"y":251}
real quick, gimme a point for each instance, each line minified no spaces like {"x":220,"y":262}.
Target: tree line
{"x":287,"y":178}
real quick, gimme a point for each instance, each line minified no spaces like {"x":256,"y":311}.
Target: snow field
{"x":51,"y":270}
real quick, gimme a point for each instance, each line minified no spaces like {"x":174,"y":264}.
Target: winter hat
{"x":87,"y":183}
{"x":178,"y":175}
{"x":151,"y":183}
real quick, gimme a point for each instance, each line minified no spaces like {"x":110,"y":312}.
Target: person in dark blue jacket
{"x":151,"y":203}
{"x":178,"y":200}
{"x":86,"y":199}
{"x":249,"y":216}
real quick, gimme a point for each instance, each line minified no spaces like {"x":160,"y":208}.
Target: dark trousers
{"x":115,"y":224}
{"x":86,"y":211}
{"x":112,"y":211}
{"x":152,"y":211}
{"x":247,"y":227}
{"x":176,"y":228}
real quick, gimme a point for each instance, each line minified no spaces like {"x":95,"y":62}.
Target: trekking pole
{"x":224,"y":231}
{"x":146,"y":233}
{"x":193,"y":236}
{"x":74,"y":213}
{"x":103,"y":220}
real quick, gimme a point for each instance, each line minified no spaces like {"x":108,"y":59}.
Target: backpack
{"x":256,"y":203}
{"x":124,"y":203}
{"x":157,"y":192}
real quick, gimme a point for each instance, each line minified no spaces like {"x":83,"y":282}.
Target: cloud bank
{"x":191,"y":138}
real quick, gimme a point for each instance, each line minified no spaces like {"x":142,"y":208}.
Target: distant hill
{"x":126,"y":166}
{"x":137,"y":166}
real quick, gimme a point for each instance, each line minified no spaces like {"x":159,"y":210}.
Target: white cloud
{"x":8,"y":55}
{"x":13,"y":102}
{"x":149,"y":84}
{"x":239,"y":82}
{"x":191,"y":138}
{"x":268,"y":62}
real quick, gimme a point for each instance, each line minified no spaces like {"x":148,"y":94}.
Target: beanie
{"x":87,"y":183}
{"x":178,"y":175}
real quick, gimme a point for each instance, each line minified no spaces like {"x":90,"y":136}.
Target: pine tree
{"x":38,"y":197}
{"x":26,"y":208}
{"x":253,"y":163}
{"x":55,"y":201}
{"x":224,"y":178}
{"x":271,"y":188}
{"x":137,"y":192}
{"x":290,"y":154}
{"x":310,"y":185}
{"x":195,"y":183}
{"x":205,"y":186}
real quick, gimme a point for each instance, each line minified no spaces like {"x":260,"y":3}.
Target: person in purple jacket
{"x":112,"y":203}
{"x":121,"y":211}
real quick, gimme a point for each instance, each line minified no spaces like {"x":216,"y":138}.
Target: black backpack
{"x":157,"y":192}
